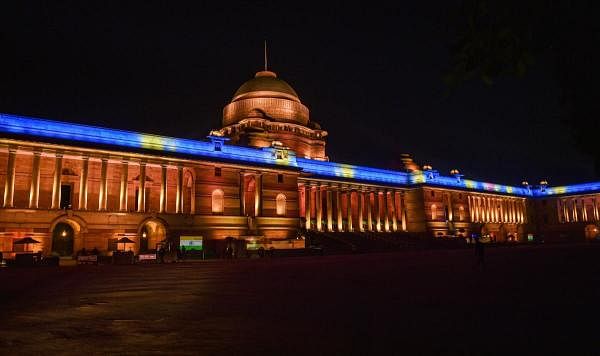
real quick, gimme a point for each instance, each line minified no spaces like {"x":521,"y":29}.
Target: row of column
{"x":497,"y":210}
{"x":9,"y":187}
{"x":575,"y":209}
{"x":382,"y":215}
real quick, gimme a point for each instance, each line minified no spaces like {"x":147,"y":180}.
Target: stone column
{"x":450,"y":211}
{"x":243,"y":194}
{"x":360,"y":195}
{"x":163,"y":189}
{"x":394,"y":211}
{"x":402,"y":209}
{"x":349,"y":212}
{"x":329,"y":201}
{"x":56,"y":182}
{"x":378,"y":209}
{"x":369,"y":215}
{"x":471,"y":208}
{"x":102,"y":198}
{"x":310,"y":204}
{"x":595,"y":202}
{"x":83,"y":183}
{"x":9,"y":186}
{"x":258,"y":194}
{"x":179,"y":193}
{"x":123,"y":188}
{"x":319,"y":203}
{"x":142,"y":189}
{"x":386,"y":212}
{"x":34,"y":191}
{"x":338,"y":205}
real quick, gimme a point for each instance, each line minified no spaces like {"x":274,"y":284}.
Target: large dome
{"x":267,"y":97}
{"x":265,"y":84}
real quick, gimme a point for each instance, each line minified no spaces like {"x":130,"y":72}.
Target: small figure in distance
{"x":95,"y":251}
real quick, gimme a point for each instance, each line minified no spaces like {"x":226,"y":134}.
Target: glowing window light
{"x":217,"y":201}
{"x":280,"y":204}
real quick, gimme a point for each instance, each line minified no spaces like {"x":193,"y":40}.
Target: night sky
{"x":370,"y":75}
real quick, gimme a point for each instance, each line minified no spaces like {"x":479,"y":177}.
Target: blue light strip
{"x":21,"y":125}
{"x":468,"y":184}
{"x":341,"y":170}
{"x":91,"y":134}
{"x":570,"y":189}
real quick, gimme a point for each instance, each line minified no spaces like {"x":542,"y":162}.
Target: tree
{"x":492,"y":39}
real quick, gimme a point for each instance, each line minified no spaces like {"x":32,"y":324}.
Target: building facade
{"x":265,"y":173}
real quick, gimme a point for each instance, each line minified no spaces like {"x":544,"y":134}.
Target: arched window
{"x":433,"y":212}
{"x":217,"y":201}
{"x":280,"y":203}
{"x":461,"y":213}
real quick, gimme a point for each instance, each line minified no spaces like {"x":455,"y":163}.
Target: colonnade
{"x":576,"y":209}
{"x":9,"y":186}
{"x":366,"y":208}
{"x":489,"y":209}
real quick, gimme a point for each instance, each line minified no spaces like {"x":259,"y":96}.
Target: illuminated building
{"x":264,"y":173}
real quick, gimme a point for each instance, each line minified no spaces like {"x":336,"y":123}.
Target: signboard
{"x":190,"y":243}
{"x":147,"y":257}
{"x":87,"y":259}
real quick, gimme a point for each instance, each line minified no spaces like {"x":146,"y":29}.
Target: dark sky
{"x":371,"y":75}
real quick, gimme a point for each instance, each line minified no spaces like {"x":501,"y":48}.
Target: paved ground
{"x":535,"y":300}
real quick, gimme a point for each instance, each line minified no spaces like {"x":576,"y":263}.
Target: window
{"x":280,"y":178}
{"x":433,"y":212}
{"x":544,"y":202}
{"x":461,"y":213}
{"x":280,"y":203}
{"x":217,"y":171}
{"x":217,"y":201}
{"x":217,"y":146}
{"x":432,"y":194}
{"x":65,"y":196}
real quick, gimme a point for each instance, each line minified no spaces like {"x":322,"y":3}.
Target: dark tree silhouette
{"x":495,"y":38}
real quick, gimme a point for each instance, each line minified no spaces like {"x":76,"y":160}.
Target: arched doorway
{"x":150,"y":234}
{"x":63,"y":237}
{"x":144,"y":236}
